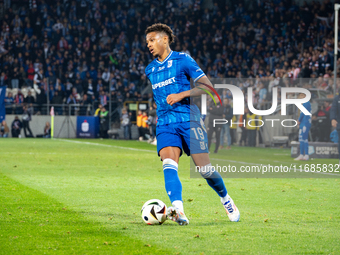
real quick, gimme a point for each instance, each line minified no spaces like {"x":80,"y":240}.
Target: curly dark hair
{"x":159,"y":27}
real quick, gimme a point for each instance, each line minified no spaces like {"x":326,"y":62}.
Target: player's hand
{"x":174,"y":98}
{"x":298,"y":123}
{"x":334,"y":123}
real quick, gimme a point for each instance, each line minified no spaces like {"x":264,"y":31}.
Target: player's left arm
{"x":191,"y":68}
{"x":174,"y":98}
{"x":300,"y":118}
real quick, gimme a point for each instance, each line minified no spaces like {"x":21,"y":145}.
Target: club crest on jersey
{"x":169,"y":63}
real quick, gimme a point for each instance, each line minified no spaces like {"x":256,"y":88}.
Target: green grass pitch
{"x":85,"y":196}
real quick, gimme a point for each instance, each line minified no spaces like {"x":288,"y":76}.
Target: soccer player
{"x":178,"y":120}
{"x":335,"y":117}
{"x":304,"y":123}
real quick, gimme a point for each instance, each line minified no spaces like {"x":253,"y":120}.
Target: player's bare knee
{"x":170,"y":153}
{"x":201,"y":159}
{"x":165,"y":156}
{"x":206,"y":171}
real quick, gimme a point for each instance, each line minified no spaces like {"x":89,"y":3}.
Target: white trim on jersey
{"x":164,"y":59}
{"x":199,"y":77}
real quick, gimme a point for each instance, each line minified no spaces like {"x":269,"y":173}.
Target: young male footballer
{"x":304,"y":123}
{"x":178,"y":120}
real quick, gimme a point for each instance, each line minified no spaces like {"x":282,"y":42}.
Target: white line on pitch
{"x":106,"y":145}
{"x":134,"y":149}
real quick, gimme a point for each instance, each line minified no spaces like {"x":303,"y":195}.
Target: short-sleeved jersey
{"x":305,"y":120}
{"x":172,"y":76}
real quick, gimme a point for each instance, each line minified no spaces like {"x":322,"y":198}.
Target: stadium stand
{"x":93,"y":47}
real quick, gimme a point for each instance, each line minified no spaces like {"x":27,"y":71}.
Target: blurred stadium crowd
{"x":76,"y":52}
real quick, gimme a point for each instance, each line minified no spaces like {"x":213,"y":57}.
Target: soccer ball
{"x":154,"y":212}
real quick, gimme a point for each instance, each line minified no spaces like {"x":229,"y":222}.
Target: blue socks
{"x":306,"y":147}
{"x":214,"y":179}
{"x":302,"y":148}
{"x":173,"y":185}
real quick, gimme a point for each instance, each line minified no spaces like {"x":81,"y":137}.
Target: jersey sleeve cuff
{"x":199,"y":77}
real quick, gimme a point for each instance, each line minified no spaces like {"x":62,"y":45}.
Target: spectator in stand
{"x":140,"y":125}
{"x":3,"y":79}
{"x":215,"y":112}
{"x":71,"y":103}
{"x":145,"y":125}
{"x":16,"y":127}
{"x":57,"y":101}
{"x":125,"y":121}
{"x":41,"y":98}
{"x":106,"y":77}
{"x":242,"y":125}
{"x":75,"y":94}
{"x":233,"y":128}
{"x":85,"y":105}
{"x":90,"y":90}
{"x":152,"y":121}
{"x":252,"y":128}
{"x":38,"y":78}
{"x":18,"y":100}
{"x":26,"y":118}
{"x":15,"y":78}
{"x":9,"y":101}
{"x":104,"y":122}
{"x":47,"y":131}
{"x":30,"y":74}
{"x":29,"y":99}
{"x":225,"y":130}
{"x":97,"y":112}
{"x":103,"y":98}
{"x":257,"y":39}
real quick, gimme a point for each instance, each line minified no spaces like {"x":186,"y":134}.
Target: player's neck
{"x":164,"y":55}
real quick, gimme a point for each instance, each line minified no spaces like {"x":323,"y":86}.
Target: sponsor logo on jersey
{"x":169,"y":63}
{"x":163,"y":83}
{"x":161,"y":68}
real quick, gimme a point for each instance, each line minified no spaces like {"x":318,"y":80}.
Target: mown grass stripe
{"x":32,"y":222}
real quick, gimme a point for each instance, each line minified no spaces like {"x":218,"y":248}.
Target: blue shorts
{"x":189,"y":136}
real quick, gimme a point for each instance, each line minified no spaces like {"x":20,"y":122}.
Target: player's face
{"x":156,"y":43}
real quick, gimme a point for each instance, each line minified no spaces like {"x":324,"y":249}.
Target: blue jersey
{"x":2,"y":103}
{"x":172,"y":76}
{"x":305,"y":120}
